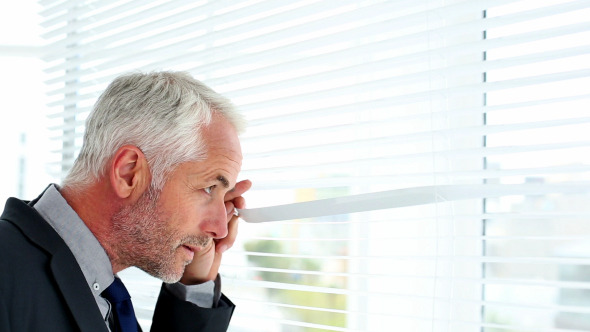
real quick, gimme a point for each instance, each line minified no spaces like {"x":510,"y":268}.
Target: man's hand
{"x":205,"y":264}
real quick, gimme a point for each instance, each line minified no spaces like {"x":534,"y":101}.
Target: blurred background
{"x":25,"y":127}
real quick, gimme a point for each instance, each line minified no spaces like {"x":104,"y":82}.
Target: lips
{"x":190,"y":250}
{"x":193,"y":245}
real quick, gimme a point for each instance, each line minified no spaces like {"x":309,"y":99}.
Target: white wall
{"x":23,"y":122}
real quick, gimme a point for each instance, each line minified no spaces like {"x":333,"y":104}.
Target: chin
{"x":168,"y":274}
{"x":169,"y":278}
{"x":174,"y":273}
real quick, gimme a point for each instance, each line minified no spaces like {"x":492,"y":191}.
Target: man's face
{"x":161,"y":232}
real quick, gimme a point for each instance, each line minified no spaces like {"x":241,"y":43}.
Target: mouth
{"x":190,"y":251}
{"x":192,"y":248}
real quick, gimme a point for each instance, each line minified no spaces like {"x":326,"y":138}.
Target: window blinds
{"x":348,"y":99}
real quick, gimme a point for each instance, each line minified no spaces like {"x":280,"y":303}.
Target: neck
{"x":96,"y":206}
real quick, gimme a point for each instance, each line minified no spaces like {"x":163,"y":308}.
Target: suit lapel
{"x":73,"y":286}
{"x":65,"y":269}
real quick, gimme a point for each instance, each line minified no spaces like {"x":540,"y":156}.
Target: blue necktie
{"x":122,"y":308}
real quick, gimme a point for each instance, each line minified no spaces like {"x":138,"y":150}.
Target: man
{"x":154,"y":186}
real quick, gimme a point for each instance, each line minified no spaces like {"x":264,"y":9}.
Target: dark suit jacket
{"x":43,"y":289}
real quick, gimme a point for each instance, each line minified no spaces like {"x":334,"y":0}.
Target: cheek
{"x":186,"y":214}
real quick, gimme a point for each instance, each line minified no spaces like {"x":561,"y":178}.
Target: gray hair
{"x":161,"y":113}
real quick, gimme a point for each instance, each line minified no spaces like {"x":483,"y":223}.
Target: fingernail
{"x":222,"y":249}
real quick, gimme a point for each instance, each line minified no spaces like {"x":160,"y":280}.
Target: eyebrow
{"x":223,"y":181}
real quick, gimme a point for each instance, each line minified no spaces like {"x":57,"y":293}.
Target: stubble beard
{"x":145,"y":241}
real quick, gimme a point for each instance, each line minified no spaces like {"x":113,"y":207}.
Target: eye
{"x":208,"y":190}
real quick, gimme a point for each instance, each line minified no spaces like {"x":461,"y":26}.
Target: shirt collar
{"x":89,"y":254}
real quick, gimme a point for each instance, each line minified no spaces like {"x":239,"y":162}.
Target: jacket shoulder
{"x":30,"y":298}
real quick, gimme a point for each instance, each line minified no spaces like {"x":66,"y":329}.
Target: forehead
{"x":221,"y":140}
{"x":223,"y":152}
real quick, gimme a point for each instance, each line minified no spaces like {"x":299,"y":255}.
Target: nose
{"x":215,"y":223}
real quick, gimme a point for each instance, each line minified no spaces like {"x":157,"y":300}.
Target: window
{"x":469,"y":117}
{"x":540,"y":240}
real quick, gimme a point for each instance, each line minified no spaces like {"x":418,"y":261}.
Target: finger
{"x":215,"y":266}
{"x":228,"y":241}
{"x":239,"y":202}
{"x":240,"y":188}
{"x":229,"y":209}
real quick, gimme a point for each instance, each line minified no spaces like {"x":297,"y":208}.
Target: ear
{"x":129,"y":173}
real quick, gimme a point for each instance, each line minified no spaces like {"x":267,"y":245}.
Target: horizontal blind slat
{"x":430,"y":321}
{"x":332,"y":92}
{"x":485,"y":24}
{"x":436,"y":258}
{"x":479,"y":281}
{"x":325,"y":290}
{"x":448,"y":50}
{"x":72,"y":16}
{"x":192,"y":14}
